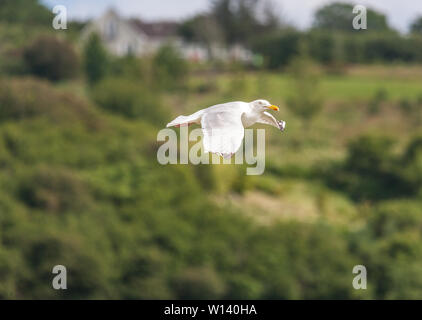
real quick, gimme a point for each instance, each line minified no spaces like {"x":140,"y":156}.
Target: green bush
{"x":305,"y":99}
{"x":370,"y":171}
{"x":198,"y":283}
{"x":406,"y":106}
{"x":26,"y":98}
{"x":96,"y":61}
{"x":144,"y":274}
{"x":128,"y":67}
{"x":27,"y":12}
{"x":322,"y":45}
{"x":47,"y":249}
{"x":129,"y":98}
{"x":378,"y":99}
{"x":297,"y":267}
{"x":278,"y":49}
{"x":54,"y":190}
{"x":339,"y":16}
{"x":170,"y":69}
{"x":411,"y":163}
{"x":51,"y":58}
{"x":390,"y":243}
{"x":386,"y":47}
{"x":392,"y":217}
{"x":334,"y":48}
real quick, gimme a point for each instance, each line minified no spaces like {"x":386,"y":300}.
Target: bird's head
{"x":263,"y":105}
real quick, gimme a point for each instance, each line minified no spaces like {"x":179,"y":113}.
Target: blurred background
{"x":80,"y":185}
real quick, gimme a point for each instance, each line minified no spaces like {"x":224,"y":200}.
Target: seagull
{"x":223,"y":124}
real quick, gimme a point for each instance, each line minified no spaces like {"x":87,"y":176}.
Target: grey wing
{"x":223,"y":131}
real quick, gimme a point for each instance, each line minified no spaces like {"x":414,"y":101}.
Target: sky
{"x":297,"y":12}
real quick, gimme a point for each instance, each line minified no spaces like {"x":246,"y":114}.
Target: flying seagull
{"x":223,"y":124}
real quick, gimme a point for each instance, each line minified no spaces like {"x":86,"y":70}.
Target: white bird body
{"x":223,"y":124}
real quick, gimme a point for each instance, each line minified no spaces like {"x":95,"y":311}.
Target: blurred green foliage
{"x":51,"y":58}
{"x":305,"y":99}
{"x":30,"y":98}
{"x":338,"y":16}
{"x":169,"y":68}
{"x":329,"y":47}
{"x":94,"y":199}
{"x":416,"y":26}
{"x":241,"y":21}
{"x":96,"y":62}
{"x":80,"y":185}
{"x":372,"y":171}
{"x":375,"y":105}
{"x":27,"y":12}
{"x":129,"y":98}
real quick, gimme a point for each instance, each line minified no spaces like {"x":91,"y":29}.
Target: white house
{"x":133,"y":36}
{"x":118,"y":35}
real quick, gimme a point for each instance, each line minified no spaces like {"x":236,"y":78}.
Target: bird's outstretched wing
{"x":223,"y":131}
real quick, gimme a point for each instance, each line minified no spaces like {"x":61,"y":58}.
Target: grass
{"x":361,"y":88}
{"x":334,"y":87}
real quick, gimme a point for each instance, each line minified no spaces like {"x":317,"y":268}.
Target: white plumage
{"x":223,"y":124}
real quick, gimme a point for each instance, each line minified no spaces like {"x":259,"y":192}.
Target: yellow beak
{"x":275,"y":108}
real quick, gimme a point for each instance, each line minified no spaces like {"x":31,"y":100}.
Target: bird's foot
{"x":225,"y":155}
{"x":281,"y":125}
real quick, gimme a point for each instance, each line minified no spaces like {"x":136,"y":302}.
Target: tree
{"x":305,"y":100}
{"x":411,"y":163}
{"x":95,"y":59}
{"x":170,"y":69}
{"x":339,"y":16}
{"x":244,"y":20}
{"x":28,"y":12}
{"x":233,"y":21}
{"x":370,"y":171}
{"x":416,"y":26}
{"x":51,"y":58}
{"x":202,"y":28}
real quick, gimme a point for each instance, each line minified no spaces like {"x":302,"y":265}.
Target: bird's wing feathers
{"x":268,"y":118}
{"x":222,"y":126}
{"x":223,"y":130}
{"x":186,"y":120}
